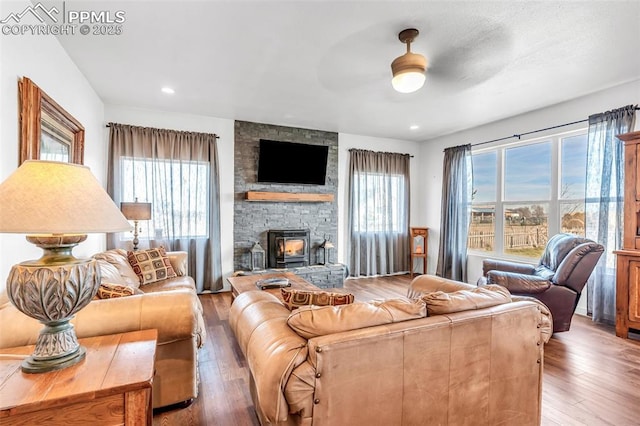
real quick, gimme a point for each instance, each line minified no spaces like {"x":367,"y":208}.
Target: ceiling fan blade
{"x":473,"y":60}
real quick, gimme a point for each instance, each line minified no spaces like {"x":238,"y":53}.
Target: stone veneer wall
{"x":252,"y":219}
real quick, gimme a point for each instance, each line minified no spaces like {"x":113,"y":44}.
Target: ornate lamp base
{"x":57,"y":347}
{"x":51,"y":290}
{"x":34,"y":365}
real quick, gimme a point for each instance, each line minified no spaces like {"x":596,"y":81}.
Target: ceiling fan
{"x":409,"y":69}
{"x":358,"y":64}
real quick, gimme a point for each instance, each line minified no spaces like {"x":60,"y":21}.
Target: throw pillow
{"x":293,"y":298}
{"x":112,"y":290}
{"x":312,"y":321}
{"x":110,"y":274}
{"x":151,"y":265}
{"x":439,"y":302}
{"x":118,"y":258}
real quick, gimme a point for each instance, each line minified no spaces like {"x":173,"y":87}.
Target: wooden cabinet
{"x":627,"y":291}
{"x":418,"y":248}
{"x":628,"y":259}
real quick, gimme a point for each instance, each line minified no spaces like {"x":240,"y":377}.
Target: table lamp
{"x":57,"y":204}
{"x":136,"y":211}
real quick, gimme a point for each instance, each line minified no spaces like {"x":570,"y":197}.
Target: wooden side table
{"x":418,"y":248}
{"x":112,"y":385}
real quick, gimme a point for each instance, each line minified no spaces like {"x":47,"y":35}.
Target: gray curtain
{"x":378,"y":213}
{"x":604,"y":204}
{"x":177,"y":172}
{"x":456,"y":213}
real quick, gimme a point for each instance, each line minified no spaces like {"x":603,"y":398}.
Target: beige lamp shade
{"x":48,"y":197}
{"x":136,"y":210}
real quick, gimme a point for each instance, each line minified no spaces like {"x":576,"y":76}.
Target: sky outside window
{"x":573,"y":163}
{"x":528,"y":172}
{"x":484,"y":177}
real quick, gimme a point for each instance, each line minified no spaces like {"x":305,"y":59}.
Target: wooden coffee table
{"x":243,"y":283}
{"x":112,"y":385}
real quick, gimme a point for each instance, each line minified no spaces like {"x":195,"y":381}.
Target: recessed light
{"x":168,"y":90}
{"x":414,"y":127}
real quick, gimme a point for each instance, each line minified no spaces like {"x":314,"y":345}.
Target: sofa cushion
{"x":118,"y":258}
{"x":293,"y":298}
{"x":441,"y":302}
{"x":312,"y":321}
{"x":170,"y":284}
{"x":426,"y":283}
{"x":112,"y":290}
{"x":151,"y":265}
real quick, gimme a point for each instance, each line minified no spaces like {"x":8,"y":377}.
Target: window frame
{"x":554,"y":219}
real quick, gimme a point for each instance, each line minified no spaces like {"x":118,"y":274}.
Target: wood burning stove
{"x":288,"y":248}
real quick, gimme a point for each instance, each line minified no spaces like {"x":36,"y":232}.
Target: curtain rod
{"x":384,"y":152}
{"x":216,"y":136}
{"x":535,"y":131}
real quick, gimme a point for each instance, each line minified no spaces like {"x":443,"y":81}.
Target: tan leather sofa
{"x":171,"y":306}
{"x":477,"y":366}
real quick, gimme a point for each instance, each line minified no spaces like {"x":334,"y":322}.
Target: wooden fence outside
{"x":514,"y":237}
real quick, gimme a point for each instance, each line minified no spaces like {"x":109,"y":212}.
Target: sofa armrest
{"x":271,"y":348}
{"x":179,"y":261}
{"x":173,"y":313}
{"x":506,"y":266}
{"x":518,"y":283}
{"x":546,"y":318}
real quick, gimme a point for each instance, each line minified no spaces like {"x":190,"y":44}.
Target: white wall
{"x":43,"y":60}
{"x":194,"y":123}
{"x":348,"y":141}
{"x":432,"y":151}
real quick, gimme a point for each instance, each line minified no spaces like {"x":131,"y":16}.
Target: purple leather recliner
{"x":558,"y":279}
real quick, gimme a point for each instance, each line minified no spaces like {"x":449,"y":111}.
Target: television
{"x":290,"y":162}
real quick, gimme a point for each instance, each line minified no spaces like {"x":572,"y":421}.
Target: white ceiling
{"x":326,"y":65}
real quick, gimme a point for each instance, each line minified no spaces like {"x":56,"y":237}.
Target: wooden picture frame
{"x":47,"y":131}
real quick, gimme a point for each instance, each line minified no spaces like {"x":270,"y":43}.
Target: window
{"x":381,"y":201}
{"x":525,"y":192}
{"x":161,"y":182}
{"x":573,"y":184}
{"x":483,"y":210}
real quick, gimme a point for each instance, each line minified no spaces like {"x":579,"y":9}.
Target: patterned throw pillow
{"x":151,"y":265}
{"x":112,"y":290}
{"x":293,"y":299}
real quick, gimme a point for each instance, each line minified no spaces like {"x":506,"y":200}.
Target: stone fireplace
{"x":288,"y":248}
{"x":253,"y":220}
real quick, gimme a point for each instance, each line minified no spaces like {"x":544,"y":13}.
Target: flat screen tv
{"x":290,"y":162}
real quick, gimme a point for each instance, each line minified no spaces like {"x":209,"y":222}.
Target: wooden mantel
{"x":290,"y":197}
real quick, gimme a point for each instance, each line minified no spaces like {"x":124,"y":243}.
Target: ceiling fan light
{"x":408,"y":82}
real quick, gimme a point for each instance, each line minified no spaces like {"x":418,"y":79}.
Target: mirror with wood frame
{"x":47,"y":131}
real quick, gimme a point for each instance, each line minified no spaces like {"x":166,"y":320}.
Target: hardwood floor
{"x":591,"y":377}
